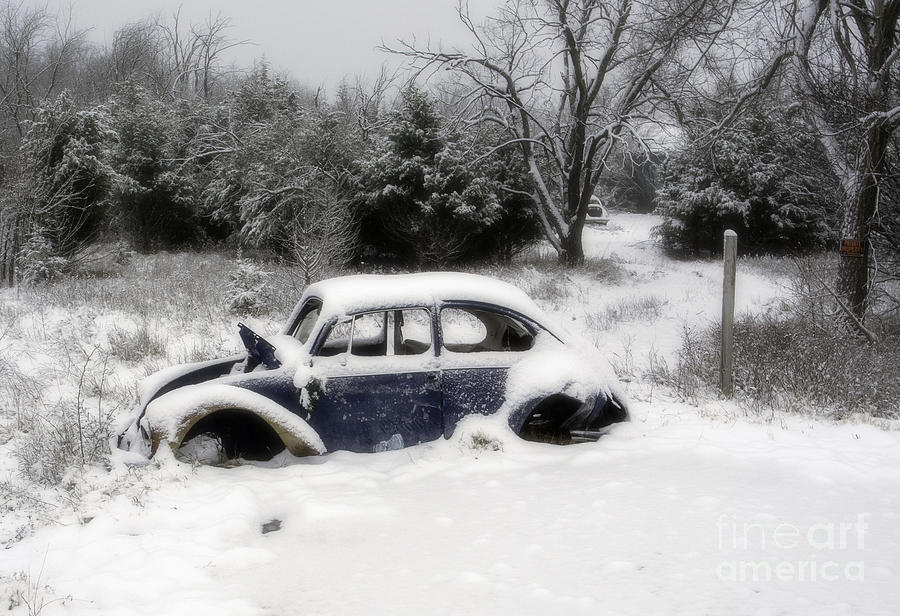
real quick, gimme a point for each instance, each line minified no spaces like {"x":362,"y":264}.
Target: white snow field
{"x":686,"y":510}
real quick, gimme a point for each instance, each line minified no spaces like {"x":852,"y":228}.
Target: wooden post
{"x":726,"y":369}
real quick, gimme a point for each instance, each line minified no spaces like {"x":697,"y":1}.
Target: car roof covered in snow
{"x":353,"y":294}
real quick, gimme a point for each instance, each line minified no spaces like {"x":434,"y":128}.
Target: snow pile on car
{"x":349,"y":294}
{"x":552,"y":368}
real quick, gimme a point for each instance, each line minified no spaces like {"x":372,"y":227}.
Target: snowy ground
{"x":686,"y":510}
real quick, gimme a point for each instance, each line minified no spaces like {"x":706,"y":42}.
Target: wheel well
{"x":243,"y":434}
{"x":614,"y":411}
{"x":544,"y":422}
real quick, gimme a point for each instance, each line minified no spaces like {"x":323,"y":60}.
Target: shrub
{"x":246,"y":289}
{"x":766,"y":179}
{"x":788,"y":362}
{"x":101,"y":260}
{"x":429,"y":202}
{"x":480,"y":442}
{"x":60,"y":437}
{"x":152,"y":197}
{"x":135,"y":345}
{"x":64,"y":177}
{"x":38,"y":261}
{"x":286,"y":181}
{"x":638,"y":308}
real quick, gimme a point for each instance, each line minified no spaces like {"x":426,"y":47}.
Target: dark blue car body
{"x":388,"y":372}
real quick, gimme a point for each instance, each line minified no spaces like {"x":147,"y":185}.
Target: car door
{"x":382,"y":385}
{"x":479,"y":344}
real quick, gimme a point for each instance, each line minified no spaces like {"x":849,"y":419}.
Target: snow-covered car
{"x":596,"y":214}
{"x":370,"y":363}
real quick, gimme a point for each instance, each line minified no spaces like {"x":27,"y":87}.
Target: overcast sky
{"x":316,"y":41}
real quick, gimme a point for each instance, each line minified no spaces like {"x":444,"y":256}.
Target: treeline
{"x":152,"y":143}
{"x":313,"y":182}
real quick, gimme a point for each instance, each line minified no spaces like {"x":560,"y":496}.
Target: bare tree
{"x":367,"y":100}
{"x":212,"y":41}
{"x":194,"y":52}
{"x":845,"y":68}
{"x":136,"y":55}
{"x":321,"y":232}
{"x":569,"y":80}
{"x":35,"y":49}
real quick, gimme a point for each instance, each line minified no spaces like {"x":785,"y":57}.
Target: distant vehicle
{"x":596,"y":214}
{"x":371,"y":363}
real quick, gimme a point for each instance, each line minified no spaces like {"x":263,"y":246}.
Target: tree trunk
{"x":572,"y":253}
{"x":8,"y":254}
{"x":853,"y":272}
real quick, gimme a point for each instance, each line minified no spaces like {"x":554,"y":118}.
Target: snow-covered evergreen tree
{"x":64,"y":167}
{"x":152,"y":195}
{"x":426,"y":202}
{"x":285,"y":181}
{"x":765,"y":178}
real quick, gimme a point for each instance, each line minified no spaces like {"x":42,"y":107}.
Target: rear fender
{"x":559,"y":407}
{"x":567,"y":419}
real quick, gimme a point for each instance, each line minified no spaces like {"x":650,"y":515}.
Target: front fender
{"x":163,"y":381}
{"x":170,"y":417}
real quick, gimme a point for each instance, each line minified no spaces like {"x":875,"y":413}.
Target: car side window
{"x":474,"y":330}
{"x":411,"y":331}
{"x":369,"y":337}
{"x":379,"y":334}
{"x":338,"y":339}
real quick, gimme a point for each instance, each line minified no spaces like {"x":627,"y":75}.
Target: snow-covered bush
{"x":430,"y":201}
{"x":121,"y":253}
{"x":151,"y":194}
{"x":38,"y":261}
{"x":645,"y":308}
{"x":480,"y":442}
{"x":246,"y":290}
{"x":59,"y":438}
{"x":783,"y":361}
{"x":286,"y":184}
{"x":65,"y":171}
{"x":766,"y":179}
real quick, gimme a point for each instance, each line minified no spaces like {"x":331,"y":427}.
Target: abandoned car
{"x":371,"y":363}
{"x":596,"y":213}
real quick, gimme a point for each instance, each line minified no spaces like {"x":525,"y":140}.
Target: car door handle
{"x":432,"y":376}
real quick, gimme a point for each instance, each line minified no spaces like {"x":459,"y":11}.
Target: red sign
{"x":852,"y":248}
